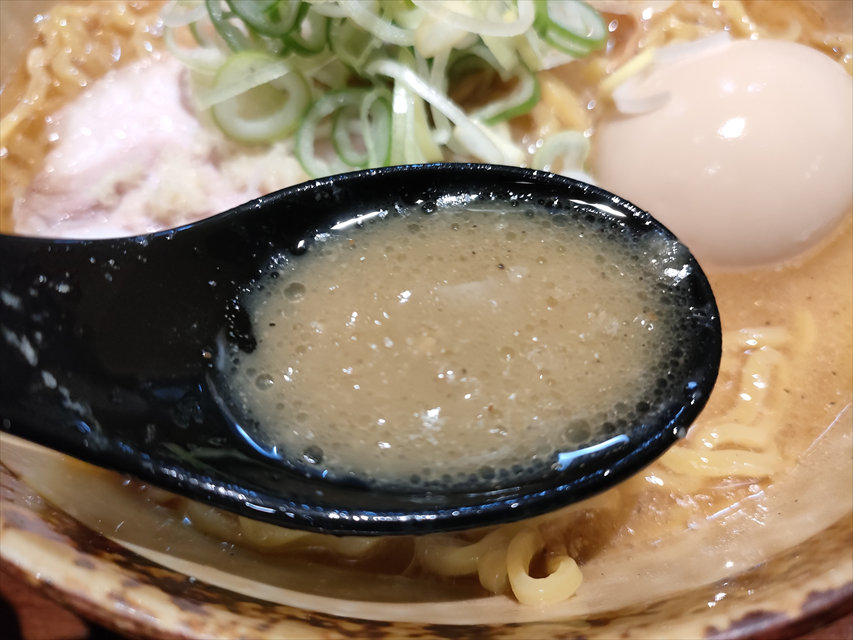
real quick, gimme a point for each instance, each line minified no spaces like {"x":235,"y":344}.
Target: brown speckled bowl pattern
{"x":108,"y":584}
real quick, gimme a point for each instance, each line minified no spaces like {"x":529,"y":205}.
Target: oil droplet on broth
{"x":294,"y":291}
{"x":477,"y":375}
{"x":264,"y":381}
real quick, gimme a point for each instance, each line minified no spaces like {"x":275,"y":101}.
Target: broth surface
{"x":465,"y":346}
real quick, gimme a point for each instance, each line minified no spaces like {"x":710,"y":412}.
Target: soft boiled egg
{"x":744,"y":149}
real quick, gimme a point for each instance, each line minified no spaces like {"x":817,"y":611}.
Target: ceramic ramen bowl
{"x":119,"y":557}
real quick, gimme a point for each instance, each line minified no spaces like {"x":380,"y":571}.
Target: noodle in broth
{"x":786,"y":373}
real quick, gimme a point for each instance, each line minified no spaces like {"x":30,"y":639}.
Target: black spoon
{"x":107,"y":353}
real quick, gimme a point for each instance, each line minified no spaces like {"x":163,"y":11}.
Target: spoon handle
{"x":104,"y":341}
{"x":116,"y":351}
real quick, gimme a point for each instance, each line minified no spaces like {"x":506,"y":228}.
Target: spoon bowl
{"x":110,"y":351}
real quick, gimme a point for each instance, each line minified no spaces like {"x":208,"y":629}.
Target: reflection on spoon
{"x":565,"y":459}
{"x":129,"y":353}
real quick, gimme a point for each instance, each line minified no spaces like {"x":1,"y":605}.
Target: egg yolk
{"x":749,"y":158}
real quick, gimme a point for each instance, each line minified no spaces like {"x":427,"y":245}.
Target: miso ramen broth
{"x":748,"y":482}
{"x":466,"y":347}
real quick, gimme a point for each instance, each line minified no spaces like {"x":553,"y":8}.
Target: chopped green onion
{"x":503,"y":50}
{"x":570,"y":25}
{"x":273,"y":18}
{"x":376,"y":121}
{"x":233,"y":37}
{"x":539,"y":55}
{"x":517,"y":102}
{"x":344,"y":108}
{"x":500,"y":19}
{"x":413,"y":137}
{"x":311,"y":37}
{"x":422,"y":135}
{"x":180,"y":13}
{"x":366,"y":121}
{"x":381,"y":70}
{"x":367,"y":14}
{"x":475,"y":136}
{"x":241,"y":73}
{"x":204,"y":59}
{"x":345,"y":125}
{"x":434,"y":36}
{"x":352,"y":45}
{"x":326,"y":8}
{"x":442,"y":129}
{"x":475,"y":60}
{"x":270,"y":110}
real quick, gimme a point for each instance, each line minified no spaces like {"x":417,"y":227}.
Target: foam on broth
{"x":468,"y":346}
